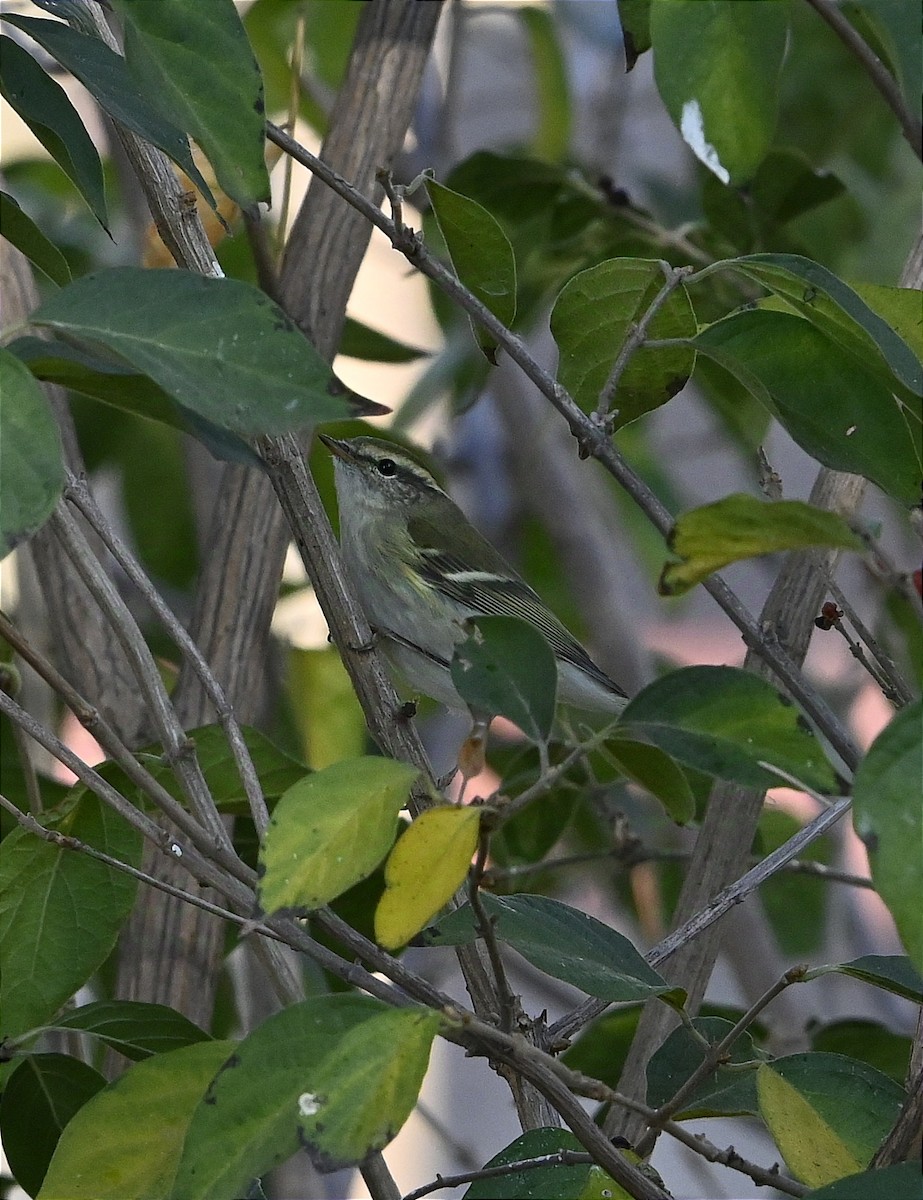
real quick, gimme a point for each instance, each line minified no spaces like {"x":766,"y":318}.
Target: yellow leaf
{"x":423,"y":870}
{"x":813,"y":1150}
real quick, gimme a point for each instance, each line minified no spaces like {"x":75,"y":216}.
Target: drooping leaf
{"x":424,"y":870}
{"x":506,"y":666}
{"x":220,"y":347}
{"x":197,"y":62}
{"x":127,"y":1140}
{"x":106,"y":75}
{"x":330,"y":830}
{"x":717,"y":69}
{"x":848,"y":418}
{"x":741,"y":526}
{"x":60,"y":911}
{"x":584,"y":1181}
{"x":592,"y":317}
{"x":120,"y":387}
{"x":481,"y":255}
{"x":891,"y":972}
{"x":724,"y":721}
{"x":44,"y":105}
{"x":565,"y":943}
{"x":22,"y":232}
{"x":337,"y":1075}
{"x":41,"y":1095}
{"x":31,"y":466}
{"x":887,"y":816}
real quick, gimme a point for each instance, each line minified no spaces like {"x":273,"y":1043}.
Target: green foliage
{"x":31,"y":469}
{"x":787,"y":234}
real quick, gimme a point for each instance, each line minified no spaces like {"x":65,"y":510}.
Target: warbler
{"x":422,"y":569}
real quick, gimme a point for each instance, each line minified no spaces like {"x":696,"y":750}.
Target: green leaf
{"x":361,"y":341}
{"x":843,"y":314}
{"x":717,"y":68}
{"x":657,"y":773}
{"x":330,"y":830}
{"x":555,"y":1182}
{"x":276,"y":770}
{"x":566,"y":944}
{"x":741,"y":526}
{"x":44,"y":106}
{"x":506,"y":666}
{"x":725,"y":721}
{"x":127,"y":1140}
{"x":827,"y":1113}
{"x":785,"y":186}
{"x":198,"y":63}
{"x":481,"y":255}
{"x":31,"y":466}
{"x":60,"y":911}
{"x":552,"y":135}
{"x":134,"y":1028}
{"x":424,"y":870}
{"x":867,"y":1041}
{"x":336,"y":1074}
{"x":40,"y":1097}
{"x":891,"y":972}
{"x":220,"y":347}
{"x":898,"y":1182}
{"x":594,"y":315}
{"x":106,"y":75}
{"x":635,"y":19}
{"x":724,"y":1092}
{"x":887,"y":816}
{"x":22,"y":232}
{"x":848,"y":418}
{"x":122,"y":388}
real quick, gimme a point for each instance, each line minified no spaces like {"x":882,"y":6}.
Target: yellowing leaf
{"x":423,"y":871}
{"x":741,"y":526}
{"x":813,"y":1150}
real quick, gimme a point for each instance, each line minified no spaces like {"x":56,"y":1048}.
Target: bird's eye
{"x":387,"y":466}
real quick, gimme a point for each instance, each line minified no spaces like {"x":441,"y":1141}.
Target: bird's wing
{"x":480,"y":581}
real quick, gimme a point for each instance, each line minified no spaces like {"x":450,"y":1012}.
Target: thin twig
{"x":179,"y":750}
{"x":722,"y":903}
{"x":713,"y":1058}
{"x":886,"y":673}
{"x":591,"y":438}
{"x":116,"y":750}
{"x":80,"y":495}
{"x":486,"y":929}
{"x":644,"y":854}
{"x":559,"y":1158}
{"x":878,"y":73}
{"x":674,"y":276}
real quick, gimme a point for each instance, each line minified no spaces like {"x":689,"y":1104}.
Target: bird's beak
{"x":338,"y":447}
